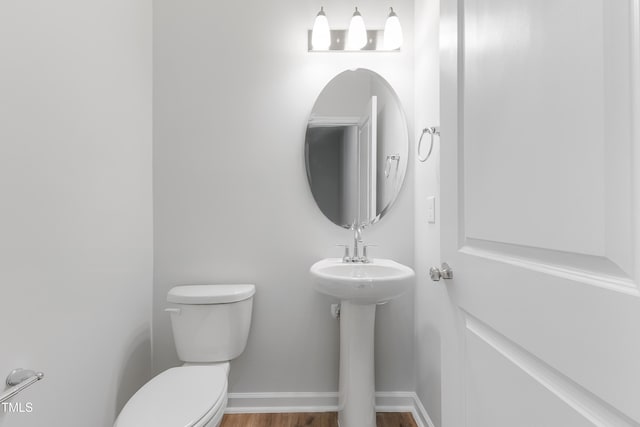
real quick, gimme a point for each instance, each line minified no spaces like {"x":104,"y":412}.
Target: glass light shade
{"x":392,"y":32}
{"x":320,"y":35}
{"x":357,"y":35}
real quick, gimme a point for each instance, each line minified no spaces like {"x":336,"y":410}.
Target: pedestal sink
{"x":360,"y":287}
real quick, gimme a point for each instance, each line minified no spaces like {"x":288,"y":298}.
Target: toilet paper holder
{"x":18,"y":380}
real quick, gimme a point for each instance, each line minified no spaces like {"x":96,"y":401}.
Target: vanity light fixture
{"x":392,"y":31}
{"x":321,"y":37}
{"x":357,"y":35}
{"x":357,"y":38}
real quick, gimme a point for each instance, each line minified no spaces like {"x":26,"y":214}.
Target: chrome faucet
{"x":357,"y":239}
{"x":357,"y":243}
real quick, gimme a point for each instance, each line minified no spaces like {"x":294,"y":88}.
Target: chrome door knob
{"x":444,"y":272}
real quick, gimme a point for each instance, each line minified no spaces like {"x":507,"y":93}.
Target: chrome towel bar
{"x":18,"y":380}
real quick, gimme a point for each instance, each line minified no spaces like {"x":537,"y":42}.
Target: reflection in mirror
{"x":356,"y":148}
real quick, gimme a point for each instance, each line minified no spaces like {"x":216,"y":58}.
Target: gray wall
{"x":75,"y":206}
{"x":233,"y":89}
{"x":429,"y":295}
{"x":325,"y":163}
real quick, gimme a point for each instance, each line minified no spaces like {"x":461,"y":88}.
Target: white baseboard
{"x":403,"y":401}
{"x":386,"y":401}
{"x":264,"y":403}
{"x":420,"y":413}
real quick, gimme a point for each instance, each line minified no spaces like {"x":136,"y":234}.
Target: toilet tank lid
{"x":210,"y":294}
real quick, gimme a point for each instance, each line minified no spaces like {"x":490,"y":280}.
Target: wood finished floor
{"x":314,"y":419}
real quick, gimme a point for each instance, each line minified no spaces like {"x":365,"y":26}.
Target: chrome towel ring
{"x":387,"y":167}
{"x":432,"y":131}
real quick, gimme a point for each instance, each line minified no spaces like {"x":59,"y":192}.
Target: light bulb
{"x":357,"y":36}
{"x":392,"y":32}
{"x":320,"y":35}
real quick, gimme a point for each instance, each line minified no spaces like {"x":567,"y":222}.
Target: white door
{"x":540,"y":189}
{"x":367,"y":163}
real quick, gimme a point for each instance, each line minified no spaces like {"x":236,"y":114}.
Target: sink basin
{"x":377,"y":281}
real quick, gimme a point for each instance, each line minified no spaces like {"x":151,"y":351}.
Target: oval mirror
{"x":356,"y":148}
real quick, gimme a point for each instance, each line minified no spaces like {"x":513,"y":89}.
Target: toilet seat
{"x":188,"y":396}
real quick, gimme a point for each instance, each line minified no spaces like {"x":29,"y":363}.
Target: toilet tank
{"x":210,"y":322}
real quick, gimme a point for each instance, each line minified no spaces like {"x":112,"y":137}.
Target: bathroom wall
{"x":429,"y":295}
{"x":75,"y":206}
{"x":233,"y":88}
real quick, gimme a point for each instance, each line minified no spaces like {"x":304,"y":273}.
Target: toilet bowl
{"x":210,"y":326}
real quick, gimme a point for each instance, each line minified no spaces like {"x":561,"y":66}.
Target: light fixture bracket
{"x":339,"y":42}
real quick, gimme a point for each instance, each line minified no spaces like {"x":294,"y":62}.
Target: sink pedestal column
{"x":356,"y":397}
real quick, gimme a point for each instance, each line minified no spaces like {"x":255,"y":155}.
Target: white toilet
{"x":210,"y":327}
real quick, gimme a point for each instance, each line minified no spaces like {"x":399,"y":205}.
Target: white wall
{"x":429,"y":295}
{"x":233,"y":88}
{"x":75,"y":205}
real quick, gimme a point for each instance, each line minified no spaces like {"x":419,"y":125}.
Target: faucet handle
{"x":364,"y":252}
{"x":345,"y":257}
